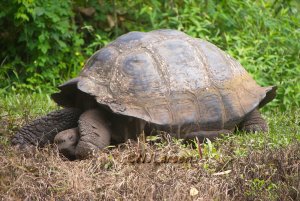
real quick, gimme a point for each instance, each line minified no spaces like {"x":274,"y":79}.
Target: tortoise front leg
{"x":94,"y":133}
{"x":254,"y":122}
{"x":43,"y":130}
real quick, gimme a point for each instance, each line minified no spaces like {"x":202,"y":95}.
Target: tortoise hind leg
{"x":254,"y":122}
{"x":95,"y":133}
{"x":43,"y":130}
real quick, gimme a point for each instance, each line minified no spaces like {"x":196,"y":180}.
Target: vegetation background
{"x":45,"y":42}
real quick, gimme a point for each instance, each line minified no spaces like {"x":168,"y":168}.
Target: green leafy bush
{"x":51,"y":39}
{"x":40,"y":43}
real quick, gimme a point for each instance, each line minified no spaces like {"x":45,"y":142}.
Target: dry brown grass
{"x":262,"y":172}
{"x":43,"y":175}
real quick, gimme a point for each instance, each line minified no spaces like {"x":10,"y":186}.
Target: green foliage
{"x":259,"y":185}
{"x":39,"y":45}
{"x":284,"y":129}
{"x":46,"y":42}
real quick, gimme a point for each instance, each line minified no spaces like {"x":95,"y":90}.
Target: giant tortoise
{"x":163,"y":80}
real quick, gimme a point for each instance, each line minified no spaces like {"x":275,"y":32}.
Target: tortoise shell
{"x":169,"y":78}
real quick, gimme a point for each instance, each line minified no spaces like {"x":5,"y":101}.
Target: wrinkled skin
{"x":43,"y":130}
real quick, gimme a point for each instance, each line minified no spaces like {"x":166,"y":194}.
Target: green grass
{"x":17,"y":105}
{"x":284,"y":130}
{"x":258,"y":166}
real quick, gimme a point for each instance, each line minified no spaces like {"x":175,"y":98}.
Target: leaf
{"x":38,"y":11}
{"x":222,"y":173}
{"x":209,"y":145}
{"x":193,"y":191}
